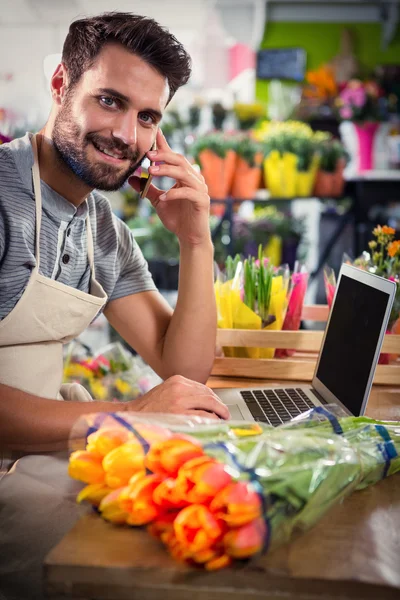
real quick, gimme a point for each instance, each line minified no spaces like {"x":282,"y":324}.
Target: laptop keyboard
{"x":276,"y":406}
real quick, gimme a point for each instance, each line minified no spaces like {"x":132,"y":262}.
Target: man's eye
{"x":147,"y":118}
{"x":108,"y":101}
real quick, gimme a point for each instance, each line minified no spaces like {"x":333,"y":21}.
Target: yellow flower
{"x":99,"y":391}
{"x":93,"y":493}
{"x":86,"y":466}
{"x":377,"y":230}
{"x":75,"y":370}
{"x":123,"y":386}
{"x":106,"y":439}
{"x":110,"y":506}
{"x":123,"y":462}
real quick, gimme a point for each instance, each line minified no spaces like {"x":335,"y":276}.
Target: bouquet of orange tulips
{"x":215,"y":493}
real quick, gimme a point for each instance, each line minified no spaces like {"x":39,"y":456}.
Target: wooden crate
{"x":299,"y":367}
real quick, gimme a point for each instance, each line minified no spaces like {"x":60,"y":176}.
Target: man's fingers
{"x":183,"y":174}
{"x":207,"y":402}
{"x":153,"y":193}
{"x":202,"y":414}
{"x":161,"y":141}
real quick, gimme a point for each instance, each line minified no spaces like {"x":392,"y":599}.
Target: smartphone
{"x":145,"y":179}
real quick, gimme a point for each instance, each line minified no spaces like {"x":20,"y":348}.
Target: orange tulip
{"x":200,"y":479}
{"x":106,"y":439}
{"x":138,"y":501}
{"x":247,"y":540}
{"x":163,"y":524}
{"x":168,"y":456}
{"x":93,"y":493}
{"x":177,"y":550}
{"x":237,"y":504}
{"x":219,"y":562}
{"x":86,"y":467}
{"x":167,"y":495}
{"x":123,"y":462}
{"x":110,"y":507}
{"x":197,"y":529}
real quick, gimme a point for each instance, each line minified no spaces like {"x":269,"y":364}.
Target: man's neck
{"x":56,"y":173}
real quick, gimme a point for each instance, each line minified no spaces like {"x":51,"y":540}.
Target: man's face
{"x":108,"y":120}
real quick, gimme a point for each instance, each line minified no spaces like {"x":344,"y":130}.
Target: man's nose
{"x":125,"y":129}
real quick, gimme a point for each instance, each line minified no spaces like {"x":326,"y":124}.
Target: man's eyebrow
{"x":120,"y":96}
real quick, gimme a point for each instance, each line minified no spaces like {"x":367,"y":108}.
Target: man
{"x":64,"y":257}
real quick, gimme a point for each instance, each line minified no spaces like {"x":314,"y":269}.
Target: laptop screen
{"x":351,"y":340}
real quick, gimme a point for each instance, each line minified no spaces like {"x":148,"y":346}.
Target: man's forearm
{"x":189,"y":344}
{"x":33,"y":424}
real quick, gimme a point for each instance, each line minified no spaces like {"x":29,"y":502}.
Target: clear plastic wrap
{"x":216,"y":492}
{"x":113,"y":373}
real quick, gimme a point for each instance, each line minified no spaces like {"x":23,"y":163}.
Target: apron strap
{"x":38,"y":199}
{"x":90,"y":246}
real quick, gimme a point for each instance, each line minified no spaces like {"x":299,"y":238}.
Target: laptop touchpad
{"x":236,"y":414}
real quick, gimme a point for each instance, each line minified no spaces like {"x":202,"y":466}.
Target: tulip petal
{"x":237,"y":504}
{"x":247,"y":540}
{"x":110,"y":507}
{"x":93,"y":493}
{"x":86,"y":467}
{"x":196,"y":528}
{"x":106,"y":439}
{"x":123,"y":462}
{"x":168,"y":456}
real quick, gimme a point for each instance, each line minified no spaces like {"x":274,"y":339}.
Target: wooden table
{"x":352,"y":553}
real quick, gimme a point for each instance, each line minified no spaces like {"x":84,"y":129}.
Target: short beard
{"x":70,"y":147}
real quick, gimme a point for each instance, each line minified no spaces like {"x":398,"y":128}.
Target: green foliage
{"x":331,"y":152}
{"x":247,"y":148}
{"x":215,"y":142}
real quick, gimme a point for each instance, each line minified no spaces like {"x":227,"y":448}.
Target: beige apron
{"x":37,"y":498}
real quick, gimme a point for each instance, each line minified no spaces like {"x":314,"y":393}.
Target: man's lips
{"x":117,"y":158}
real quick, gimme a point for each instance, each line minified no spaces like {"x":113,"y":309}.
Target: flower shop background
{"x":292,"y":115}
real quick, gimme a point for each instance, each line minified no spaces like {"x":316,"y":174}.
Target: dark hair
{"x":140,"y":35}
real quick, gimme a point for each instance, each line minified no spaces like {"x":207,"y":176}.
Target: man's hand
{"x":181,"y":396}
{"x":184,"y":209}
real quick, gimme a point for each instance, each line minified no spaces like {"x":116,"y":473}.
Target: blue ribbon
{"x":254,"y":480}
{"x":135,"y":432}
{"x":333,"y":420}
{"x":387,"y":448}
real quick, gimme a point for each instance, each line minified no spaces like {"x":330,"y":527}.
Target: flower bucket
{"x":217,"y":172}
{"x":246,"y":179}
{"x":280,"y":173}
{"x":365,"y":137}
{"x":305,"y":179}
{"x":330,"y":184}
{"x":324,"y":184}
{"x":338,"y":180}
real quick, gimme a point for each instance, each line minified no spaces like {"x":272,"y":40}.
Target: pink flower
{"x":359,"y":97}
{"x":346,"y":112}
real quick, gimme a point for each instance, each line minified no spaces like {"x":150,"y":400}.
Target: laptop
{"x":346,"y":363}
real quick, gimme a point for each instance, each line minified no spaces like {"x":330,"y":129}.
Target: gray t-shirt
{"x":120,"y":266}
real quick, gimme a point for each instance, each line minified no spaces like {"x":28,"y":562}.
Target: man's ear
{"x":59,"y":84}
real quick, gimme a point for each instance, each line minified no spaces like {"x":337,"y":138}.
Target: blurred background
{"x":292,"y":114}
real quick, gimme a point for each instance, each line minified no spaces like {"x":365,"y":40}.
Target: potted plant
{"x":291,"y":159}
{"x":333,"y":159}
{"x":247,"y":115}
{"x":247,"y":175}
{"x":360,"y":108}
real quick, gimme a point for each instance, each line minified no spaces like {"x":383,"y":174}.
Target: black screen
{"x":351,"y":341}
